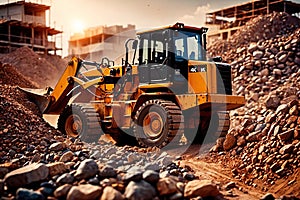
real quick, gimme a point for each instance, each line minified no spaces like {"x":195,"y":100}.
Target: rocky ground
{"x":38,"y":162}
{"x":259,"y":158}
{"x":264,"y":140}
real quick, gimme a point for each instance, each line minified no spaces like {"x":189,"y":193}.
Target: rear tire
{"x":224,"y":124}
{"x":157,"y":123}
{"x":205,"y":132}
{"x":80,"y":121}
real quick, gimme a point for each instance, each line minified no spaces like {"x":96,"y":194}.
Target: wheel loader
{"x":165,"y":87}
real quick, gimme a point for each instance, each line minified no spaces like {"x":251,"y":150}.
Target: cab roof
{"x":177,"y":26}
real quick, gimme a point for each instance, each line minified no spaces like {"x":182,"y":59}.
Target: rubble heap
{"x":265,"y":58}
{"x":10,"y":76}
{"x":34,"y":67}
{"x":38,"y":162}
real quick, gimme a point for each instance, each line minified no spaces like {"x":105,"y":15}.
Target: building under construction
{"x":24,"y":24}
{"x":225,"y":22}
{"x":102,"y":41}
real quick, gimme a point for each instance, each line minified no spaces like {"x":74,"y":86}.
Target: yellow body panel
{"x":204,"y":80}
{"x":63,"y":81}
{"x":187,"y":101}
{"x":198,"y":82}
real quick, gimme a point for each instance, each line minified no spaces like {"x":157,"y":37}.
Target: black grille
{"x":224,"y":79}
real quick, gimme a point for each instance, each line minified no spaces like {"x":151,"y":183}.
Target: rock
{"x":109,"y":193}
{"x":254,"y":96}
{"x":229,"y":142}
{"x":66,"y":157}
{"x":241,"y":141}
{"x":139,"y":190}
{"x":284,"y":108}
{"x":62,"y":191}
{"x":230,"y":185}
{"x":268,"y":196}
{"x":240,"y":50}
{"x":283,"y":58}
{"x":252,"y":137}
{"x":270,"y":62}
{"x":84,"y":192}
{"x":285,"y":135}
{"x":36,"y":158}
{"x":56,"y":168}
{"x":272,"y":102}
{"x":249,"y":66}
{"x":164,"y":159}
{"x":294,"y":110}
{"x":286,"y":149}
{"x":252,"y":47}
{"x":152,"y":166}
{"x":297,"y":134}
{"x":26,"y":175}
{"x":133,"y":174}
{"x":203,"y":188}
{"x":277,"y":130}
{"x":151,"y":176}
{"x":297,"y":60}
{"x":132,"y":157}
{"x":65,"y":178}
{"x":188,"y":176}
{"x":277,"y":72}
{"x":258,"y":54}
{"x":177,"y":196}
{"x":265,"y":72}
{"x":107,"y":172}
{"x":58,"y":146}
{"x":87,"y":169}
{"x":271,"y":117}
{"x":25,"y":194}
{"x":166,"y":186}
{"x":219,"y":145}
{"x":47,"y":188}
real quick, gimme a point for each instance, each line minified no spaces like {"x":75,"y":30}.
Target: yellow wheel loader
{"x":164,"y":88}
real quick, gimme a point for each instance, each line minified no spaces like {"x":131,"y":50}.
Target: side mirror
{"x":134,"y":44}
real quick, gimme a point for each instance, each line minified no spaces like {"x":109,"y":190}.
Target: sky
{"x":72,"y":16}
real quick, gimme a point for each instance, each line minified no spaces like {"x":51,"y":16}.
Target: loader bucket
{"x":39,"y":96}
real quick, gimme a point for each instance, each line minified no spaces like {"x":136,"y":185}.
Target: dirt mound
{"x":58,"y":62}
{"x":259,"y":29}
{"x":10,"y":76}
{"x":35,"y":67}
{"x":21,"y":129}
{"x":264,"y":140}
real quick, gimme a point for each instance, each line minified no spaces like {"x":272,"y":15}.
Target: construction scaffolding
{"x":225,"y":22}
{"x":24,"y":24}
{"x":102,"y":41}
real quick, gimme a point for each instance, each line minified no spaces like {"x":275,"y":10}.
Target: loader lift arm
{"x":54,"y":102}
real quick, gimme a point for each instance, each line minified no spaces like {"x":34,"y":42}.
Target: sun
{"x":77,"y":26}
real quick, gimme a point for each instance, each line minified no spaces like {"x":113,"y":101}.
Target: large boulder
{"x":26,"y":175}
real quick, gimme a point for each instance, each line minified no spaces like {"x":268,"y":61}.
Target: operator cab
{"x":164,"y":54}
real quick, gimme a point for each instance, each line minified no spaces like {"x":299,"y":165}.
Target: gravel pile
{"x":44,"y":70}
{"x":38,"y":162}
{"x":264,"y":139}
{"x":10,"y":76}
{"x":102,"y":172}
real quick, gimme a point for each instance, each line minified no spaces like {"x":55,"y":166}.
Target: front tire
{"x":80,"y":121}
{"x":157,"y":123}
